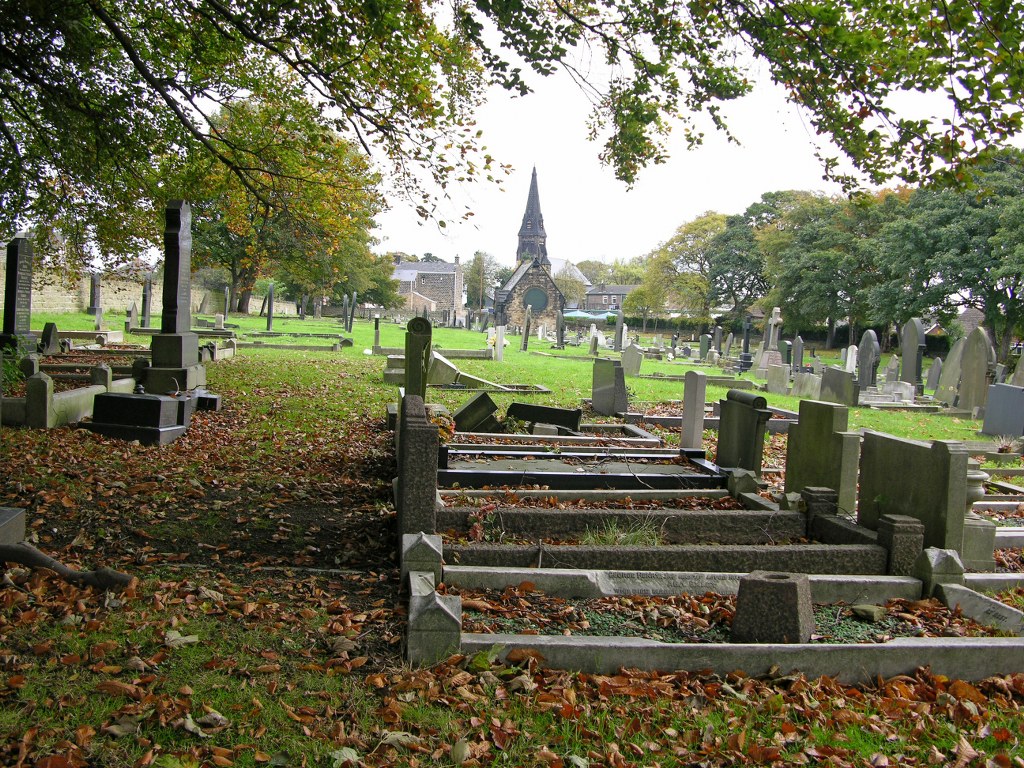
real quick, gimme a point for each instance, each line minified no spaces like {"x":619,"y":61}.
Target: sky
{"x":588,"y":213}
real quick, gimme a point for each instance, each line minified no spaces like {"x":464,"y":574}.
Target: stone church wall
{"x":515,"y":310}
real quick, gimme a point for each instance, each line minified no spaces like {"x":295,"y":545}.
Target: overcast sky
{"x":588,"y":214}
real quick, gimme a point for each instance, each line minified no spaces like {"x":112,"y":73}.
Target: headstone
{"x":746,"y":359}
{"x":632,"y":358}
{"x":927,"y":481}
{"x":270,"y":307}
{"x":376,"y":333}
{"x":499,"y":343}
{"x":131,"y":320}
{"x":716,"y":339}
{"x":352,"y":311}
{"x":525,"y":343}
{"x":541,"y":332}
{"x":218,"y":322}
{"x":806,"y":385}
{"x":743,"y":416}
{"x":175,"y":350}
{"x":227,"y":300}
{"x":1017,"y":379}
{"x":771,"y":354}
{"x":1004,"y":411}
{"x":851,"y":359}
{"x":608,"y":392}
{"x":98,"y":315}
{"x":912,"y":349}
{"x":822,"y":452}
{"x":999,"y":377}
{"x":417,"y":356}
{"x":728,"y":344}
{"x":418,"y":440}
{"x":902,"y":391}
{"x":49,"y":344}
{"x":839,"y":386}
{"x":477,"y":415}
{"x":773,"y":608}
{"x":147,"y":301}
{"x":934,"y":372}
{"x":441,"y":370}
{"x":545,"y":414}
{"x":593,"y":330}
{"x":798,"y":354}
{"x":559,"y":330}
{"x":786,"y":350}
{"x":695,"y":384}
{"x":892,"y":369}
{"x":705,"y":346}
{"x":843,"y":354}
{"x":593,"y":346}
{"x":344,"y":312}
{"x":778,"y":379}
{"x":949,"y":378}
{"x":869,"y":355}
{"x":977,"y":356}
{"x":18,"y":295}
{"x":774,"y":328}
{"x":619,"y":320}
{"x":94,"y":293}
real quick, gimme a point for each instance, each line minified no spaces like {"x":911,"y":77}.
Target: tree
{"x":502,"y":275}
{"x":597,"y":272}
{"x":683,"y":264}
{"x":645,"y":301}
{"x":479,"y":278}
{"x":953,"y":249}
{"x":312,"y":228}
{"x":573,"y":289}
{"x":94,"y":90}
{"x":736,"y":270}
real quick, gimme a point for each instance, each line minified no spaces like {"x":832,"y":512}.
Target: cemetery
{"x":676,"y":514}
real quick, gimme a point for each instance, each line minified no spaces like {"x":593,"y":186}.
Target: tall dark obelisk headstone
{"x":147,"y":301}
{"x":176,"y":363}
{"x":18,"y":296}
{"x":270,"y":307}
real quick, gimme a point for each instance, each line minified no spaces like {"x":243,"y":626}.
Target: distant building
{"x":532,"y":284}
{"x":610,"y":297}
{"x":431,"y":286}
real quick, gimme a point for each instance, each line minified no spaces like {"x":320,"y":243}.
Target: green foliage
{"x":573,"y":289}
{"x":479,"y":277}
{"x":639,"y":533}
{"x":10,"y":373}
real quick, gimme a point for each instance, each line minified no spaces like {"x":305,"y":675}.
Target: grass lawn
{"x":264,"y":626}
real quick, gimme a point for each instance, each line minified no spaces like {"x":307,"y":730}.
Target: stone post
{"x":416,"y":484}
{"x":147,"y":301}
{"x":270,"y":307}
{"x":417,"y":356}
{"x":94,"y":293}
{"x":694,"y":393}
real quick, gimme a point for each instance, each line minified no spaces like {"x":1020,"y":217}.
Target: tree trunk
{"x":244,"y":296}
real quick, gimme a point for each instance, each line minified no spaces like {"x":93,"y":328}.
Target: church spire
{"x":532,"y":237}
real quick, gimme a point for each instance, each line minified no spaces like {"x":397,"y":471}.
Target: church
{"x":532,"y":284}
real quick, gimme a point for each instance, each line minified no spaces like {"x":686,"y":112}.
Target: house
{"x":610,"y":297}
{"x":532,"y":284}
{"x":431,"y":286}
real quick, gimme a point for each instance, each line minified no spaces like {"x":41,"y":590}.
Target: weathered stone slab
{"x":545,"y":414}
{"x":773,"y":608}
{"x":839,"y":386}
{"x":608,"y":393}
{"x":949,"y":378}
{"x":694,"y":393}
{"x":1004,"y":410}
{"x":978,"y":355}
{"x":778,"y":379}
{"x":632,"y":358}
{"x":741,"y":428}
{"x":822,"y":453}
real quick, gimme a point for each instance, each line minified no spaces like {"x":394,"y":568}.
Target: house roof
{"x":616,"y":290}
{"x":406,"y":271}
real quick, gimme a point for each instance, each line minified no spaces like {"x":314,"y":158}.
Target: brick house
{"x":431,"y":286}
{"x":610,"y":297}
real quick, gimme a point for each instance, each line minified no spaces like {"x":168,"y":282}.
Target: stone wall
{"x":51,"y":293}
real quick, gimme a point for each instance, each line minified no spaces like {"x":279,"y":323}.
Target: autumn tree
{"x":312,"y":225}
{"x":573,"y":289}
{"x":479,"y":276}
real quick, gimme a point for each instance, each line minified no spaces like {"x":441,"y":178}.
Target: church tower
{"x":532,"y":237}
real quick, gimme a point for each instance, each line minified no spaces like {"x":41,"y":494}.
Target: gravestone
{"x":376,"y":333}
{"x":632,"y":358}
{"x":786,"y":350}
{"x":743,"y":416}
{"x":851,"y":359}
{"x":418,"y":441}
{"x":1004,"y":411}
{"x":822,"y":453}
{"x":175,"y":350}
{"x":418,"y":335}
{"x":892,"y":369}
{"x":95,"y":286}
{"x":773,"y":608}
{"x":49,"y":344}
{"x":270,"y":307}
{"x":771,"y":354}
{"x":619,"y":321}
{"x":934,"y":372}
{"x":499,"y":343}
{"x":541,"y":332}
{"x":716,"y":339}
{"x":838,"y":386}
{"x":525,"y":343}
{"x":477,"y":415}
{"x":352,"y":311}
{"x":227,"y":300}
{"x":147,"y":301}
{"x":344,"y":312}
{"x":977,"y":356}
{"x":1017,"y":379}
{"x":98,"y":319}
{"x":778,"y":379}
{"x":869,"y":354}
{"x":695,"y":385}
{"x":593,"y":346}
{"x":559,"y":330}
{"x":912,"y":348}
{"x":545,"y":414}
{"x":746,"y":359}
{"x":798,"y":354}
{"x":927,"y":481}
{"x":999,"y":377}
{"x":843,"y":354}
{"x":218,"y":322}
{"x":728,"y":344}
{"x":131,"y":320}
{"x":608,"y":391}
{"x":18,"y":296}
{"x":705,"y":346}
{"x":949,"y":378}
{"x":807,"y":385}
